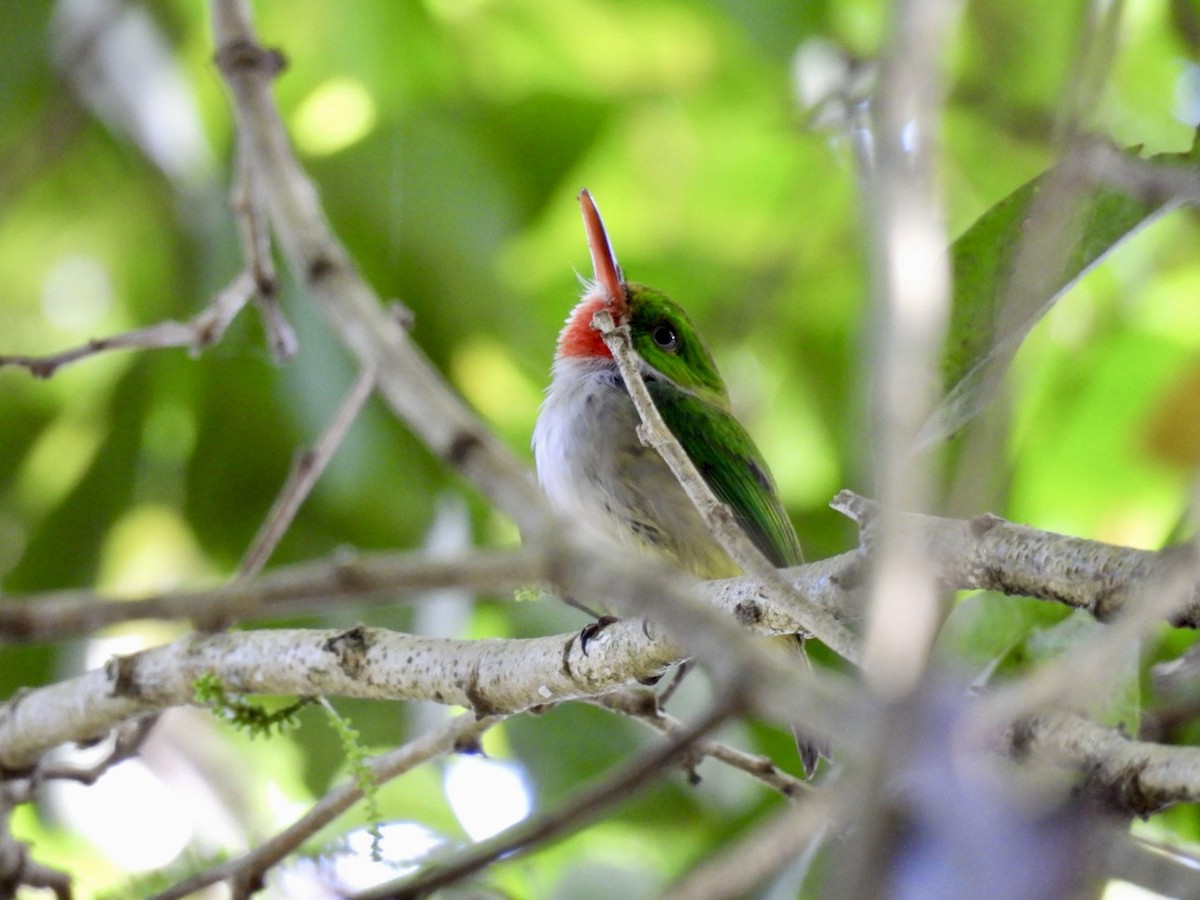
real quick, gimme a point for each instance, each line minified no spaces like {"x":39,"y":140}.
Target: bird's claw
{"x":592,"y":629}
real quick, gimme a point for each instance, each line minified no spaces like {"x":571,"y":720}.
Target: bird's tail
{"x":812,"y":749}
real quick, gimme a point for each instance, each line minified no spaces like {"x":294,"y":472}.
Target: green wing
{"x":726,"y":457}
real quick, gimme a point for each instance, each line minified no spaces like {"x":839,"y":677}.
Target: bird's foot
{"x":589,"y":631}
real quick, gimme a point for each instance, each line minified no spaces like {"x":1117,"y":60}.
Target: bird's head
{"x":663,"y":336}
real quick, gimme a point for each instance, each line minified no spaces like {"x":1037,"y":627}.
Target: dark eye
{"x":665,"y":337}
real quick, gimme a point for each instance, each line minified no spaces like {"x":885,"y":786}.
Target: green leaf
{"x":1117,"y":703}
{"x":985,"y":332}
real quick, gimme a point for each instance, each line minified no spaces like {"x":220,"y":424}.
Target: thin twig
{"x":247,"y":870}
{"x":196,"y":334}
{"x":654,"y":432}
{"x":770,"y":846}
{"x":306,"y":469}
{"x":569,"y":817}
{"x":631,"y":703}
{"x":250,"y":214}
{"x":345,"y":578}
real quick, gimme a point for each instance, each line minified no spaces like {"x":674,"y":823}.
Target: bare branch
{"x":250,"y":214}
{"x":347,"y":577}
{"x":642,"y":706}
{"x":538,"y":830}
{"x":306,"y":469}
{"x":247,"y":870}
{"x":1124,"y":775}
{"x":489,"y":676}
{"x":756,"y":856}
{"x":198,"y":333}
{"x":990,"y":553}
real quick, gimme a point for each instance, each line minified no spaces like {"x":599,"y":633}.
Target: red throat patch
{"x":578,"y":338}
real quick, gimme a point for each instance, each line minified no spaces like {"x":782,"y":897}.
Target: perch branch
{"x":490,"y":676}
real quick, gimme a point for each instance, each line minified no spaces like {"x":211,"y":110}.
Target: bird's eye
{"x":665,"y":337}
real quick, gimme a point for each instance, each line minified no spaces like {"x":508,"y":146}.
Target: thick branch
{"x":1124,"y":775}
{"x":488,"y":676}
{"x":992,"y":554}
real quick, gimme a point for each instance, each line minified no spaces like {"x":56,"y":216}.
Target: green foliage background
{"x":449,"y":140}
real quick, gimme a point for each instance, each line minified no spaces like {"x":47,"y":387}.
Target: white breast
{"x":593,"y":466}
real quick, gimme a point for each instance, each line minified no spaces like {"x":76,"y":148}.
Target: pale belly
{"x":593,"y":466}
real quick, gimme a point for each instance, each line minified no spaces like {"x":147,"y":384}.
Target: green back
{"x":695,"y":406}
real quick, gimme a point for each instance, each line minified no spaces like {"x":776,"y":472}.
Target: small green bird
{"x":590,"y":459}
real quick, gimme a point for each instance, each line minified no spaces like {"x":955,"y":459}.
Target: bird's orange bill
{"x":604,"y":261}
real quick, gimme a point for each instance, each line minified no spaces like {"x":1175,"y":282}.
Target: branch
{"x":642,"y":706}
{"x":16,"y":868}
{"x":984,"y":553}
{"x":989,"y":553}
{"x":202,"y":331}
{"x":1123,"y":775}
{"x":570,"y":816}
{"x":247,"y":870}
{"x":717,"y":517}
{"x":366,"y":578}
{"x":257,"y":280}
{"x":306,"y":469}
{"x":488,"y":676}
{"x":250,"y":214}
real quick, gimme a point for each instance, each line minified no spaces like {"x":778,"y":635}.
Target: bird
{"x":592,"y":463}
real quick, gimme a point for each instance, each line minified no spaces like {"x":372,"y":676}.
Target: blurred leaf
{"x":986,"y":630}
{"x":1114,"y":699}
{"x":976,"y":355}
{"x":1173,"y":432}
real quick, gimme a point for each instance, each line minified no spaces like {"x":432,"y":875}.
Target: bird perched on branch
{"x":591,"y":460}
